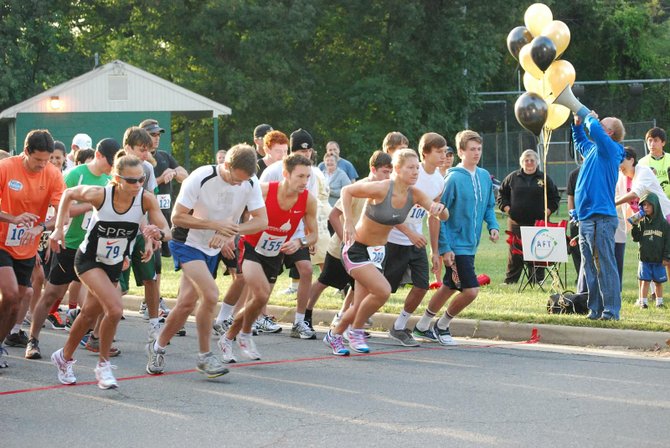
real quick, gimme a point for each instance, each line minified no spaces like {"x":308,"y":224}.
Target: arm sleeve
{"x":490,"y":214}
{"x":636,"y":232}
{"x":582,"y":142}
{"x":505,"y":193}
{"x":444,"y":239}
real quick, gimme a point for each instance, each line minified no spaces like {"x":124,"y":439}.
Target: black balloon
{"x":531,"y":112}
{"x":516,"y":39}
{"x":543,"y":52}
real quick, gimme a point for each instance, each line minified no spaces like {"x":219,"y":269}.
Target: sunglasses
{"x":133,"y":180}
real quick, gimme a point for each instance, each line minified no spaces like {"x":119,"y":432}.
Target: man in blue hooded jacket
{"x":468,"y":195}
{"x":596,"y":212}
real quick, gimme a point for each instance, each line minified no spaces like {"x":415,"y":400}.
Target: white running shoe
{"x":65,"y":368}
{"x":226,"y":346}
{"x":248,"y":347}
{"x":104,"y":375}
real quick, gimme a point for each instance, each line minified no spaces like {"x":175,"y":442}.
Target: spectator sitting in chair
{"x":522,"y":198}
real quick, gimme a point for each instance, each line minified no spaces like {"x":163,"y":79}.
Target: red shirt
{"x":281,"y":223}
{"x":25,"y":191}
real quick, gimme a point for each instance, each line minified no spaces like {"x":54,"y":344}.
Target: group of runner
{"x":223,"y":212}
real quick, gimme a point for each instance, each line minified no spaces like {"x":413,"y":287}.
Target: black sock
{"x":308,"y":317}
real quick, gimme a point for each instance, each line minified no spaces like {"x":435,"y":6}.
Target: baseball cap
{"x":301,"y":140}
{"x":450,"y":150}
{"x":83,"y":141}
{"x":261,"y":130}
{"x":151,"y":126}
{"x":108,"y":147}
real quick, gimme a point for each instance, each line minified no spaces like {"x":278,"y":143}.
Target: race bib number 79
{"x":111,"y":250}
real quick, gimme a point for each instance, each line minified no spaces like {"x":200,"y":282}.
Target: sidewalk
{"x":486,"y":329}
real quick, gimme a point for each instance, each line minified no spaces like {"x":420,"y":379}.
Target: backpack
{"x":568,"y":303}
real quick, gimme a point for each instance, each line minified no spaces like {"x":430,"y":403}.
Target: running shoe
{"x":336,"y":344}
{"x":70,"y":316}
{"x":348,"y":330}
{"x":56,"y":321}
{"x":427,"y":336}
{"x":226,"y":346}
{"x":403,"y":336}
{"x":336,"y":320}
{"x":248,"y":347}
{"x":301,"y":330}
{"x":265,"y":324}
{"x":443,"y":336}
{"x":33,"y":349}
{"x":357,"y":341}
{"x":93,"y":345}
{"x":163,"y":309}
{"x":156,"y":362}
{"x":143,"y":310}
{"x":221,"y":328}
{"x":181,"y":331}
{"x":19,"y":339}
{"x":289,"y":291}
{"x":3,"y":357}
{"x":65,"y":368}
{"x":84,"y":340}
{"x":104,"y":375}
{"x":211,"y":366}
{"x":28,"y":319}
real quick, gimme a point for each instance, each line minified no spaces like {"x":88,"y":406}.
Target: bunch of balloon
{"x":537,"y":46}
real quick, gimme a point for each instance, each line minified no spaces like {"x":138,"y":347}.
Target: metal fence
{"x":502,"y":150}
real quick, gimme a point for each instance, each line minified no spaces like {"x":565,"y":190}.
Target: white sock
{"x":299,"y":317}
{"x":203,"y":355}
{"x":16,"y":328}
{"x":643,"y":300}
{"x":295,"y":283}
{"x":659,"y":300}
{"x":225,"y":312}
{"x":244,"y":335}
{"x":157,"y":347}
{"x":153,"y":321}
{"x":443,"y":322}
{"x":401,"y":321}
{"x":424,"y":323}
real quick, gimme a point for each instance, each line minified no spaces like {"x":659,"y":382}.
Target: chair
{"x":553,"y":269}
{"x":527,"y":277}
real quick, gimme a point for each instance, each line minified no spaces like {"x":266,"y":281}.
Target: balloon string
{"x":546,"y":137}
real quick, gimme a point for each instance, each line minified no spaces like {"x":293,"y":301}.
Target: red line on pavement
{"x":534,"y":339}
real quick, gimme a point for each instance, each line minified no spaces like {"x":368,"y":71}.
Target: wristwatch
{"x":44,"y":226}
{"x":303,"y":242}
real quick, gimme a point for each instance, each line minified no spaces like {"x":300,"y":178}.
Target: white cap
{"x":83,"y":141}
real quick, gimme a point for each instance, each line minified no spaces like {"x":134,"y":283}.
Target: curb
{"x":486,"y":329}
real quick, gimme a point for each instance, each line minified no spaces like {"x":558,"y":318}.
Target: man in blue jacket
{"x":596,"y":212}
{"x":468,"y":195}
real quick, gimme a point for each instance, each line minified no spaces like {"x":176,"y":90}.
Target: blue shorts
{"x":652,"y":272}
{"x":181,"y":254}
{"x":464,"y":277}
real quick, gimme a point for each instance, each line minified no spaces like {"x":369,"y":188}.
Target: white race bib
{"x":377,"y":254}
{"x":415,"y":215}
{"x":110,"y":250}
{"x":269,"y":245}
{"x":86,"y":219}
{"x":14,"y":234}
{"x":164,"y":201}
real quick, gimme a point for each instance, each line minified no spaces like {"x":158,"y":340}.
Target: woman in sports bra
{"x":119,"y":209}
{"x":388,"y":204}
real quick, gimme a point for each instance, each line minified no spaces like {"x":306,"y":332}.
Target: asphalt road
{"x":478,"y":394}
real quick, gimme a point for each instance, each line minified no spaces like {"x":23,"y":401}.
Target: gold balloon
{"x":539,"y":86}
{"x":559,"y":33}
{"x":556,"y":116}
{"x":526,"y":61}
{"x":559,"y":74}
{"x":537,"y":16}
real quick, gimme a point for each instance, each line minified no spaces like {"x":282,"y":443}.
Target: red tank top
{"x":281,"y":223}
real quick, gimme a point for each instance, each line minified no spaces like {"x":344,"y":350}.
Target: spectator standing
{"x":595,"y":209}
{"x":332,"y":147}
{"x":657,"y":159}
{"x":522,"y":199}
{"x":335,"y":177}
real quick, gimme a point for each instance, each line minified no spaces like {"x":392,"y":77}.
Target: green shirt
{"x":660,"y":168}
{"x":81,"y":175}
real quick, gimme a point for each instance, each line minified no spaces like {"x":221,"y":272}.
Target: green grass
{"x":496,"y":301}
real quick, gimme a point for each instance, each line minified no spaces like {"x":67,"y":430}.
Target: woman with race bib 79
{"x":118,"y":211}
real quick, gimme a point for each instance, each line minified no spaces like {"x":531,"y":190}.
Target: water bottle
{"x":636,"y":218}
